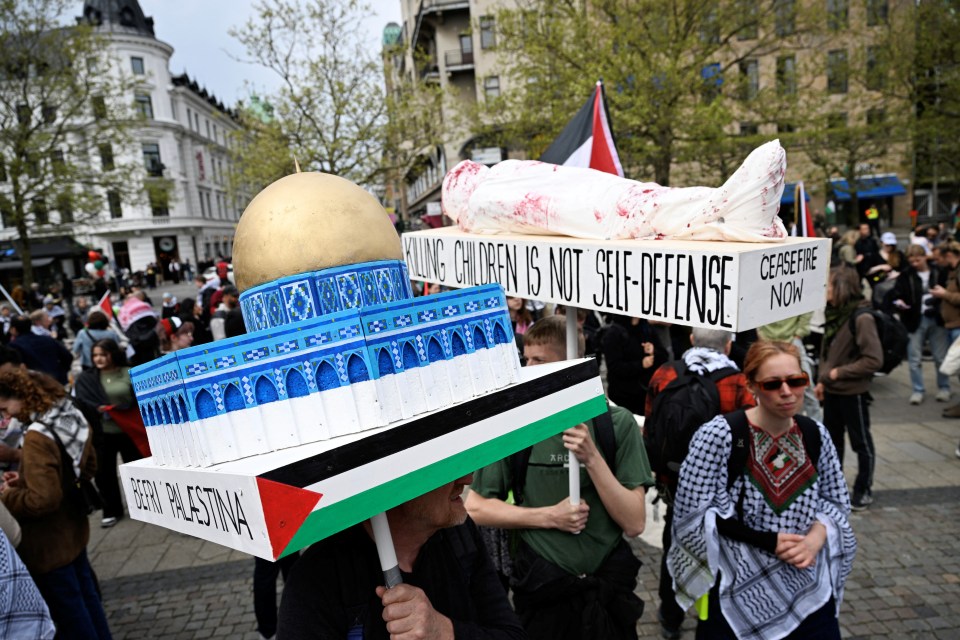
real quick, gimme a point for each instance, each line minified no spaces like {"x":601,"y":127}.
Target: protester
{"x":632,"y":352}
{"x":919,"y":311}
{"x":106,"y":393}
{"x":55,"y":525}
{"x":708,"y":357}
{"x":449,"y":589}
{"x":97,"y":329}
{"x":42,"y":324}
{"x":560,"y":543}
{"x":23,"y":613}
{"x":170,"y":307}
{"x":779,"y":533}
{"x":229,"y":301}
{"x":520,"y":316}
{"x":191,"y":311}
{"x":793,"y":331}
{"x":40,"y":353}
{"x":174,"y":334}
{"x":852,"y":353}
{"x":139,"y":323}
{"x":948,"y":294}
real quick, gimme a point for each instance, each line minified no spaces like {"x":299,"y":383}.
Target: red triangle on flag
{"x":603,"y":154}
{"x":106,"y":306}
{"x":284,"y":510}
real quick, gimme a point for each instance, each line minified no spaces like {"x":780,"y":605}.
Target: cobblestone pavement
{"x":905,"y":582}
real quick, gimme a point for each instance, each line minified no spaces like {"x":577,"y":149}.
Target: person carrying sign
{"x":562,"y":543}
{"x":449,"y":590}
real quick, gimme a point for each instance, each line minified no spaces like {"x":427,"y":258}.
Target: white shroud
{"x":545,"y":199}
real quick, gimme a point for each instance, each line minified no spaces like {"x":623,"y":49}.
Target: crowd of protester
{"x":794,"y":391}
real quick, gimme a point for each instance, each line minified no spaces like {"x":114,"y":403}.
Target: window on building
{"x":144,"y":105}
{"x":491,"y":87}
{"x":785,"y":17}
{"x":750,"y":79}
{"x":99,"y":107}
{"x":203,"y":204}
{"x":876,"y":79}
{"x":876,"y":12}
{"x":32,"y":163}
{"x":58,"y":162}
{"x":24,"y":114}
{"x":749,"y":13}
{"x":488,"y":32}
{"x":837,"y":71}
{"x":6,"y":211}
{"x":3,"y":170}
{"x":837,"y":121}
{"x":712,"y":81}
{"x":786,"y":75}
{"x":159,"y":202}
{"x":189,"y":119}
{"x":748,"y":129}
{"x":48,"y":113}
{"x":219,"y":205}
{"x":838,"y":14}
{"x":38,"y":207}
{"x":215,"y":138}
{"x":151,"y":159}
{"x":876,"y":117}
{"x":207,"y":122}
{"x":173,"y":108}
{"x":786,"y":127}
{"x":136,"y":65}
{"x":710,"y":27}
{"x":106,"y":156}
{"x":196,"y":121}
{"x":65,"y":207}
{"x":209,"y":206}
{"x":113,"y":201}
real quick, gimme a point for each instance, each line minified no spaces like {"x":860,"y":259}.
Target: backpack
{"x":679,"y":409}
{"x":606,"y":441}
{"x":740,"y":438}
{"x":893,"y":337}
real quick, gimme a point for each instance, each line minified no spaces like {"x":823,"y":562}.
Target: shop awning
{"x":50,"y":247}
{"x":790,"y":194}
{"x":18,"y":264}
{"x":883,"y":186}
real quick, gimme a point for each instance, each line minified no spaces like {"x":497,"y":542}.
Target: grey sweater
{"x":856,"y":358}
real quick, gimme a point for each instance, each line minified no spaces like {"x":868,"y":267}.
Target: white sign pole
{"x":388,"y":555}
{"x":11,"y":300}
{"x":573,"y":342}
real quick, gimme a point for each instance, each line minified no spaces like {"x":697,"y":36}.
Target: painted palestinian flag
{"x":802,"y":219}
{"x":587,"y":141}
{"x":271,"y":505}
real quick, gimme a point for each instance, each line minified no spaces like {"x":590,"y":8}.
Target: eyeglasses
{"x":794,"y":382}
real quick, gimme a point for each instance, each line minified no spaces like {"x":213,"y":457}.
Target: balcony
{"x":434,"y":9}
{"x":458,"y":60}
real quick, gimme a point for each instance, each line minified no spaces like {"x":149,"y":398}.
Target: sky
{"x":197,"y":30}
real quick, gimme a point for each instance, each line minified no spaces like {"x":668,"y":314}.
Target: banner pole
{"x":11,"y":300}
{"x":573,"y":352}
{"x":386,"y":551}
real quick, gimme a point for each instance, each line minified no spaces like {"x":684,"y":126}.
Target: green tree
{"x":66,"y":117}
{"x":678,"y":74}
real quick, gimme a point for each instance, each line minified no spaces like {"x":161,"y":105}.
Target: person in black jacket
{"x":632,"y":353}
{"x":40,"y":353}
{"x":920,"y":313}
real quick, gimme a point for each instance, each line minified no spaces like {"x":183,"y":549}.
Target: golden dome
{"x":306,"y":222}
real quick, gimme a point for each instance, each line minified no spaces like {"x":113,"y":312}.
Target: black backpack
{"x":679,"y":409}
{"x":606,"y":442}
{"x":893,"y":337}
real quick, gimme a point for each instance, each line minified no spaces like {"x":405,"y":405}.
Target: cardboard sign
{"x":273,"y":504}
{"x":723,"y":285}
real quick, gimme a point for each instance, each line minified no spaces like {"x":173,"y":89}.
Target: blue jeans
{"x":73,"y":601}
{"x":928,"y":330}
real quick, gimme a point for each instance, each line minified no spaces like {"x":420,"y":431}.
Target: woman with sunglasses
{"x":772,"y":550}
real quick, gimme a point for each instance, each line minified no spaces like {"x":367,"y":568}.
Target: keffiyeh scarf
{"x":761,"y":597}
{"x":70,"y":425}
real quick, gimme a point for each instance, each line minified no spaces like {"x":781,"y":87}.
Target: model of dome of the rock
{"x":336,"y":342}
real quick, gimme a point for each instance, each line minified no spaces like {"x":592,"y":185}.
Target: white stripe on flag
{"x":581,"y":155}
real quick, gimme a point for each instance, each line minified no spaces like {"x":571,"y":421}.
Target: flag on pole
{"x":106,"y":306}
{"x":587,"y":141}
{"x":801,"y":215}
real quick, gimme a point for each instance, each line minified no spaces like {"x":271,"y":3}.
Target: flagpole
{"x":573,"y":343}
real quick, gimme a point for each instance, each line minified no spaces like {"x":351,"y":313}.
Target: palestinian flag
{"x":802,"y":218}
{"x":106,"y":305}
{"x":587,"y":140}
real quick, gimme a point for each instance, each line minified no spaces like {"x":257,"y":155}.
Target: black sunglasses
{"x":794,"y":382}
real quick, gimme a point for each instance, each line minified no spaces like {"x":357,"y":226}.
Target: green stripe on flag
{"x":327,"y":521}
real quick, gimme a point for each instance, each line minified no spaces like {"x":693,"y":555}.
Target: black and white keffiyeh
{"x":71,"y":426}
{"x":761,"y":597}
{"x":702,"y":360}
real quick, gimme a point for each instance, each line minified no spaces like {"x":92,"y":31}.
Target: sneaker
{"x":943,"y":395}
{"x":861,"y":502}
{"x":106,"y":523}
{"x":916,"y":397}
{"x":951,"y":412}
{"x":667,"y":632}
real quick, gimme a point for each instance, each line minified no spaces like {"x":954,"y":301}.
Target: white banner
{"x":725,"y":285}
